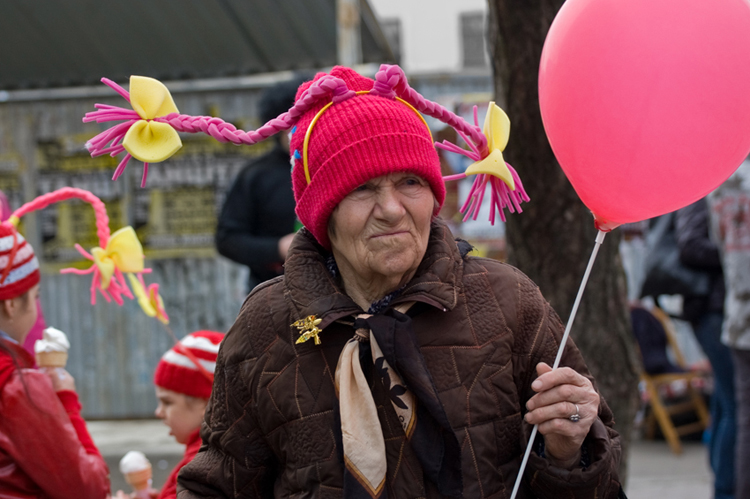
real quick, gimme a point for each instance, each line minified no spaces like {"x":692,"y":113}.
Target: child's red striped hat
{"x":188,"y":367}
{"x":19,"y":268}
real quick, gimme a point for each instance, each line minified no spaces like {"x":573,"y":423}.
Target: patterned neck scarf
{"x":386,"y":339}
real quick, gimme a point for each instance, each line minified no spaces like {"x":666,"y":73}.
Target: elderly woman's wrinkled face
{"x":383,"y":226}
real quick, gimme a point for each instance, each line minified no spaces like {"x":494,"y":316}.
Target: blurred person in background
{"x":730,"y":224}
{"x":45,"y":449}
{"x":256,"y":224}
{"x":705,"y":313}
{"x":183,"y":380}
{"x":39,"y":325}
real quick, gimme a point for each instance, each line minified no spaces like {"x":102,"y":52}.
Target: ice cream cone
{"x":51,"y":359}
{"x":139,"y":480}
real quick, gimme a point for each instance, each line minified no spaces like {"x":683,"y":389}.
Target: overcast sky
{"x":429,"y":31}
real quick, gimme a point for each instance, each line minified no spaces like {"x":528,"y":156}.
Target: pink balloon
{"x":646,"y":103}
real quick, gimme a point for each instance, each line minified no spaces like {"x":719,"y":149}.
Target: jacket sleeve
{"x":235,"y":233}
{"x":697,"y":249}
{"x":47,"y":439}
{"x":540,"y":332}
{"x":234,"y":460}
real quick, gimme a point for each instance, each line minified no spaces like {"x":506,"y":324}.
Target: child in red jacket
{"x":183,"y":379}
{"x":45,"y":449}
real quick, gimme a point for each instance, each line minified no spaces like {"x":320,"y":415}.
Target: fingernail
{"x":536,"y":385}
{"x":526,"y":418}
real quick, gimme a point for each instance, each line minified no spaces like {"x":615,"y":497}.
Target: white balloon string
{"x":568,"y":327}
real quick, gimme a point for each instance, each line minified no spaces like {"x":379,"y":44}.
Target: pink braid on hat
{"x":341,"y":156}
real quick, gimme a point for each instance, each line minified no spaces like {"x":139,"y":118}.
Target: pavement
{"x":115,"y":438}
{"x":655,"y":473}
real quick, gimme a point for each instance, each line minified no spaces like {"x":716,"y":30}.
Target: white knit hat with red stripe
{"x":19,"y":268}
{"x":188,"y":367}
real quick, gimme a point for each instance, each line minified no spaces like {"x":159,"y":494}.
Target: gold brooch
{"x":308,"y":328}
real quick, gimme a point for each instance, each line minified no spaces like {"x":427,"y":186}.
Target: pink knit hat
{"x":352,"y":142}
{"x":346,"y":129}
{"x":188,"y":367}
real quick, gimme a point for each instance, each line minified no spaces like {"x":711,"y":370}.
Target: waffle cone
{"x":51,"y":359}
{"x":139,"y":480}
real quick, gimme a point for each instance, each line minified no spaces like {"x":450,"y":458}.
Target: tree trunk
{"x":553,"y":239}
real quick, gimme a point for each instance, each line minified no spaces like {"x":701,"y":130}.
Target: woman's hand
{"x":61,"y":379}
{"x":560,"y":394}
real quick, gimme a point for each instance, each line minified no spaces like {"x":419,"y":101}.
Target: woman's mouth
{"x":389,"y":234}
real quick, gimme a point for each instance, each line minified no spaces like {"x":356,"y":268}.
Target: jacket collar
{"x":194,"y":442}
{"x":313,"y":291}
{"x":12,"y":357}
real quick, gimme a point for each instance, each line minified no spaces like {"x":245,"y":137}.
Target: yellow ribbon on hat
{"x":497,"y":130}
{"x":149,"y":300}
{"x":147,"y":140}
{"x":123,"y":252}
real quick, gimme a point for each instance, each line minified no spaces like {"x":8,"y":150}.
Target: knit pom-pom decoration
{"x":121,"y":254}
{"x":505,"y":185}
{"x":117,"y":255}
{"x":141,"y":135}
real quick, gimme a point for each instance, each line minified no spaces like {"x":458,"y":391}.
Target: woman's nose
{"x":390,"y":204}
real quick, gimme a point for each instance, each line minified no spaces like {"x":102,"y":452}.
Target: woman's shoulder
{"x":12,"y":357}
{"x":258,"y":322}
{"x":524,"y":309}
{"x":26,"y":384}
{"x":515,"y":293}
{"x":500,"y":275}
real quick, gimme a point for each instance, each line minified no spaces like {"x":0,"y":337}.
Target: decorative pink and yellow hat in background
{"x":118,"y":254}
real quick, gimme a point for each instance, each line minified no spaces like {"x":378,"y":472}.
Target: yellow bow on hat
{"x":123,"y":252}
{"x":149,"y":299}
{"x":147,"y":140}
{"x":497,"y":130}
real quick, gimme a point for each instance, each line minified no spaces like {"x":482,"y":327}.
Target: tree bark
{"x":553,"y":239}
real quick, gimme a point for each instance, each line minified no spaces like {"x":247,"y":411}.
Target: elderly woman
{"x":387,"y":362}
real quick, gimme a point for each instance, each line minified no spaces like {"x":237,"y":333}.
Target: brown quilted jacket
{"x":271,"y":429}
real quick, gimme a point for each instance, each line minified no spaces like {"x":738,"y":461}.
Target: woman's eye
{"x":361,"y":188}
{"x":411,"y":182}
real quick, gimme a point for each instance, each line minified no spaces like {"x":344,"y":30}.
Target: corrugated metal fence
{"x":114,"y":349}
